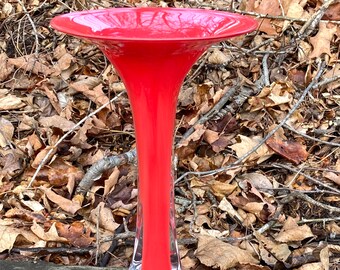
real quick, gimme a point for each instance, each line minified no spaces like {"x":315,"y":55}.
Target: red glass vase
{"x":153,"y":49}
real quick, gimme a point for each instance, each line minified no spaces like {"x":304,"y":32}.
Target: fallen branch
{"x":314,"y":20}
{"x":96,"y":170}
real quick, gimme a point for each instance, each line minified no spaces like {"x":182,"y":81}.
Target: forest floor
{"x":257,"y":141}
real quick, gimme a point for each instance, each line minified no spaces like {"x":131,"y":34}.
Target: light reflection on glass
{"x":164,"y":24}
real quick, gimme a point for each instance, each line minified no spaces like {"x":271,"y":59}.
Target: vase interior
{"x":153,"y":24}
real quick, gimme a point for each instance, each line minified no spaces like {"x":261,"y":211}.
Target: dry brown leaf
{"x":76,"y":233}
{"x":52,"y":97}
{"x":293,"y":151}
{"x":65,"y":61}
{"x":6,"y":132}
{"x":41,"y":155}
{"x":295,"y":10}
{"x":30,"y":63}
{"x":111,"y":181}
{"x":322,"y":41}
{"x":215,"y":253}
{"x":11,"y":102}
{"x":33,"y":205}
{"x":333,"y":12}
{"x":249,"y":266}
{"x":59,"y":173}
{"x":24,"y":215}
{"x":280,"y":251}
{"x":312,"y":266}
{"x":258,"y":180}
{"x":226,"y":206}
{"x":65,"y":204}
{"x":221,"y":189}
{"x":11,"y":162}
{"x":218,"y":57}
{"x":265,"y":7}
{"x":292,"y":232}
{"x":103,"y":216}
{"x":195,"y":136}
{"x":50,"y":235}
{"x":92,"y":88}
{"x":246,"y":144}
{"x":57,"y":121}
{"x":335,"y":71}
{"x":332,"y":176}
{"x":210,"y":136}
{"x":9,"y":235}
{"x":5,"y":68}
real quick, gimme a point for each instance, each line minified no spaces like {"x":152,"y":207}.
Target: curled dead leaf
{"x":9,"y":235}
{"x":65,"y":204}
{"x":292,"y":232}
{"x":11,"y":102}
{"x":213,"y":252}
{"x":293,"y":151}
{"x":246,"y":144}
{"x":31,"y":63}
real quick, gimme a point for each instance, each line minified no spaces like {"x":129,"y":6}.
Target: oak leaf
{"x":321,"y":42}
{"x":248,"y":143}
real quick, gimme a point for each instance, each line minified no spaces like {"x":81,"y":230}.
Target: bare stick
{"x":322,"y":220}
{"x":265,"y":69}
{"x":314,"y":20}
{"x":46,"y":158}
{"x":96,"y":170}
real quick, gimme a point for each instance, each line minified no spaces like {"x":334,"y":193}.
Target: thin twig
{"x":35,"y":32}
{"x":311,"y":138}
{"x":266,"y":226}
{"x":322,"y":220}
{"x":265,"y":69}
{"x":326,"y":81}
{"x":46,"y":158}
{"x":316,"y":181}
{"x":296,"y":194}
{"x":281,"y":18}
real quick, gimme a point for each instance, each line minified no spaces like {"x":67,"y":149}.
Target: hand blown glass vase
{"x":153,"y":49}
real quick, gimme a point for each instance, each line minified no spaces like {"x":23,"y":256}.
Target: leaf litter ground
{"x":257,"y":141}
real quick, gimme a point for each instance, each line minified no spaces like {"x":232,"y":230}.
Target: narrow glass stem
{"x":153,"y":79}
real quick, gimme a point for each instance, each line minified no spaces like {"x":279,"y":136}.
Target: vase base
{"x":138,"y":266}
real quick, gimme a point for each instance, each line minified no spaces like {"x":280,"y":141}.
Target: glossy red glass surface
{"x":153,"y":49}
